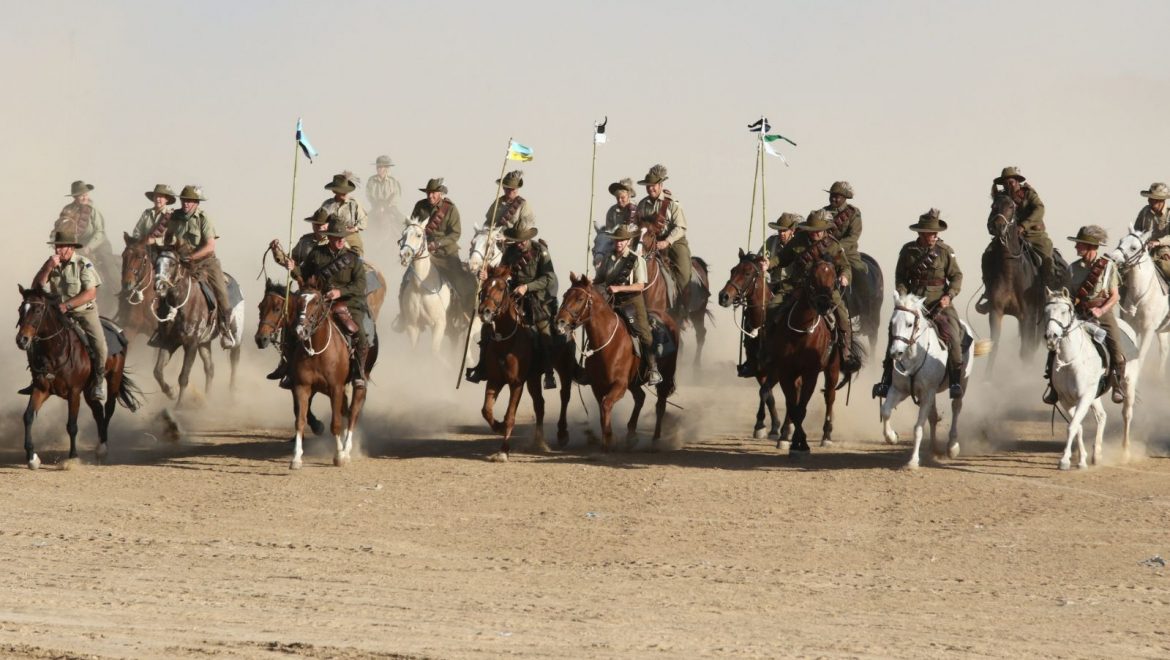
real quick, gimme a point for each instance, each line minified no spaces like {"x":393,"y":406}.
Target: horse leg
{"x":234,"y":363}
{"x":337,"y":402}
{"x":1099,"y":418}
{"x":315,"y":425}
{"x":160,"y":365}
{"x":660,"y":411}
{"x":758,"y":430}
{"x":185,"y":373}
{"x":301,"y":394}
{"x":1127,"y":413}
{"x":71,"y":423}
{"x":698,"y":319}
{"x":925,"y":408}
{"x":489,"y":403}
{"x":995,"y":323}
{"x":953,"y":436}
{"x":639,"y":395}
{"x":515,"y":392}
{"x":830,"y":398}
{"x":1075,"y":431}
{"x":935,"y":450}
{"x":774,"y":431}
{"x":99,"y":417}
{"x":563,"y":421}
{"x":357,"y":402}
{"x":534,"y":388}
{"x":891,"y":402}
{"x":35,"y":401}
{"x":788,"y":386}
{"x":208,"y":366}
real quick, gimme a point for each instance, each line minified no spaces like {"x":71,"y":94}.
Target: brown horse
{"x":688,"y":306}
{"x":509,"y":358}
{"x":187,"y":322}
{"x":136,"y":301}
{"x":320,"y":365}
{"x":611,"y":363}
{"x":802,"y":346}
{"x":748,"y":288}
{"x":1014,"y":284}
{"x":61,"y":366}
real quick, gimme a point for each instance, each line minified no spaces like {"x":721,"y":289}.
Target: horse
{"x":320,"y":364}
{"x":510,"y":359}
{"x":1144,"y":302}
{"x":747,"y":287}
{"x":802,"y":348}
{"x":486,"y":245}
{"x":137,"y":298}
{"x":61,"y":366}
{"x":920,"y":372}
{"x":1078,"y":375}
{"x":863,"y":297}
{"x":187,"y":322}
{"x":610,"y":361}
{"x":425,"y":299}
{"x":1015,"y":287}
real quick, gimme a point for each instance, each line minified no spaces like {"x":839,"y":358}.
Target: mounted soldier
{"x":846,"y":219}
{"x":668,"y":225}
{"x":535,"y":281}
{"x":349,"y":210}
{"x":306,"y":244}
{"x":1094,"y":282}
{"x":623,"y":274}
{"x":338,"y":271}
{"x":1030,"y":219}
{"x":511,"y":210}
{"x":384,"y":192}
{"x":89,"y":227}
{"x":440,"y":217}
{"x":153,"y":222}
{"x":1155,"y":218}
{"x":927,"y":267}
{"x":624,"y":211}
{"x":785,"y":227}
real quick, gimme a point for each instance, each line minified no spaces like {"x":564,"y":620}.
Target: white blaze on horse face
{"x":302,"y":324}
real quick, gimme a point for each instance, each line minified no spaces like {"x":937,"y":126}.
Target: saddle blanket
{"x":235,"y":296}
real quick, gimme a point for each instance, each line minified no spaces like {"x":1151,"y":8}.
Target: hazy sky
{"x":918,"y":104}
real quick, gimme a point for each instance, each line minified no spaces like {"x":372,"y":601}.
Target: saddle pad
{"x":235,"y":296}
{"x":664,"y":343}
{"x":372,"y":281}
{"x":116,"y":341}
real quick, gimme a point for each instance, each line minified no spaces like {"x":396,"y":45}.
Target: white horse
{"x":426,"y":296}
{"x":485,"y":244}
{"x":920,"y":372}
{"x":1145,"y":304}
{"x":1076,"y":376}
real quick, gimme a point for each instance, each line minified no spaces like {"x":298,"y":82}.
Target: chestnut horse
{"x":748,"y":288}
{"x":509,"y":358}
{"x":137,"y":298}
{"x":801,"y":346}
{"x":61,"y":366}
{"x":319,"y":364}
{"x":687,"y":306}
{"x":610,"y":361}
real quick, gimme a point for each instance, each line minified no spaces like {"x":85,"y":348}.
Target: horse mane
{"x":501,"y":271}
{"x":277,"y":288}
{"x":910,"y":300}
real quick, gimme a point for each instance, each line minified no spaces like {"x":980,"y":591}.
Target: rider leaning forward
{"x":1030,"y":219}
{"x":623,"y":273}
{"x":1094,"y":282}
{"x":927,"y":267}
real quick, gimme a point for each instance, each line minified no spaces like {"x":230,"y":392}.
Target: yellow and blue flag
{"x":517,"y":151}
{"x":303,"y":140}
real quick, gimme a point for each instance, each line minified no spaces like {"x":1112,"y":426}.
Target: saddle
{"x":116,"y":341}
{"x":235,"y":296}
{"x":662,"y":343}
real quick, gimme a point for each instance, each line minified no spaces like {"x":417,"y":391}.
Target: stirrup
{"x":1050,"y":397}
{"x":653,"y":377}
{"x":745,"y":371}
{"x":983,"y":305}
{"x":550,"y":381}
{"x":279,"y":372}
{"x":881,"y":389}
{"x":472,"y":375}
{"x":956,"y":390}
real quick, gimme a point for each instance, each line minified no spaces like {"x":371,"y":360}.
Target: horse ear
{"x":20,"y":288}
{"x":126,"y":237}
{"x":599,"y":227}
{"x":572,"y":277}
{"x":741,"y":253}
{"x":1064,"y":292}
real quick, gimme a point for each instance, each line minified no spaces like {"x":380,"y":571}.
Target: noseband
{"x":745,"y":291}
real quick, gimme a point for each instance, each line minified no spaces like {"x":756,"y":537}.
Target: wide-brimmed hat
{"x":65,"y":237}
{"x":513,"y":179}
{"x":657,"y":174}
{"x":194,"y":193}
{"x":1157,"y":191}
{"x":1010,"y":172}
{"x":929,"y":222}
{"x":841,"y":188}
{"x":341,"y":183}
{"x":434,"y":185}
{"x":79,"y":188}
{"x":626,"y":184}
{"x":786,"y":221}
{"x":515,"y":235}
{"x":623,"y":233}
{"x":818,"y":220}
{"x":337,"y":227}
{"x":1091,"y":234}
{"x":161,"y":189}
{"x":384,"y":161}
{"x":320,"y":217}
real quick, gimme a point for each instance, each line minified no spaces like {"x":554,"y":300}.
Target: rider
{"x":384,"y":191}
{"x":349,"y":210}
{"x":1094,"y":281}
{"x":533,"y":278}
{"x":511,"y":210}
{"x":1155,"y":218}
{"x":624,"y":275}
{"x":341,"y":275}
{"x":190,"y":232}
{"x":304,"y":246}
{"x":74,"y":280}
{"x":846,"y":220}
{"x":785,"y":227}
{"x":668,"y":222}
{"x":624,"y":211}
{"x":812,"y":245}
{"x":1030,"y":214}
{"x":441,"y":219}
{"x":927,"y":267}
{"x":89,"y":226}
{"x":152,"y":222}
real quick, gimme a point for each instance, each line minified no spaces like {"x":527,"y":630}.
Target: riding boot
{"x":845,"y":344}
{"x":227,"y":338}
{"x":955,"y":378}
{"x":475,"y":374}
{"x":882,"y":388}
{"x":1117,"y":379}
{"x":279,"y":372}
{"x":653,"y":377}
{"x":750,"y":366}
{"x":546,"y":357}
{"x":983,"y":305}
{"x":357,"y":365}
{"x":98,"y":389}
{"x":24,"y":391}
{"x":1050,"y":397}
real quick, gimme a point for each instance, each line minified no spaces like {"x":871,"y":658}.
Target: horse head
{"x":602,"y":245}
{"x":495,"y":297}
{"x":907,"y":323}
{"x":485,"y":244}
{"x":576,"y":305}
{"x":412,"y":243}
{"x":310,"y":309}
{"x":272,"y":314}
{"x":1060,"y":316}
{"x":36,"y":307}
{"x":167,"y":271}
{"x":746,"y":276}
{"x":137,"y":271}
{"x":819,"y":286}
{"x":1131,"y":249}
{"x":1002,"y":218}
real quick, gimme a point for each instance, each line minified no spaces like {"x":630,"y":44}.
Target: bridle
{"x":277,"y":326}
{"x":577,"y":320}
{"x":36,"y":327}
{"x":1065,"y":328}
{"x":141,"y":277}
{"x":1002,"y":234}
{"x":168,"y":284}
{"x":307,"y":327}
{"x":917,"y":331}
{"x":490,"y":241}
{"x":509,"y":304}
{"x":744,"y":292}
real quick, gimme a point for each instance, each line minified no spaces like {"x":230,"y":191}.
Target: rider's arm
{"x":1035,"y":218}
{"x":902,"y":273}
{"x":355,"y":289}
{"x":545,"y":275}
{"x":449,"y":242}
{"x":678,"y":228}
{"x":360,"y":219}
{"x":1113,"y":282}
{"x":850,"y":238}
{"x":954,"y":276}
{"x":86,"y":296}
{"x":41,"y":280}
{"x":205,"y":250}
{"x":98,"y":223}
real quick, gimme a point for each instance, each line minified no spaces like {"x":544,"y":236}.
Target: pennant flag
{"x":772,"y":152}
{"x":773,"y":138}
{"x":760,"y":125}
{"x":599,"y":137}
{"x":517,"y":151}
{"x":302,"y":140}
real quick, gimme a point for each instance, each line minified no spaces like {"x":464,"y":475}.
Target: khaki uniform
{"x":444,"y":232}
{"x":630,"y":269}
{"x":1159,"y":227}
{"x":355,"y":218}
{"x":516,"y":213}
{"x":1095,"y":296}
{"x":534,"y":268}
{"x":1030,"y":217}
{"x":933,"y":273}
{"x":71,"y":278}
{"x":776,"y":273}
{"x":847,"y":230}
{"x":147,"y":221}
{"x":186,"y":234}
{"x":305,"y":245}
{"x":384,"y":193}
{"x":800,"y":256}
{"x":672,"y":228}
{"x":618,"y":215}
{"x":95,"y":245}
{"x":345,"y":271}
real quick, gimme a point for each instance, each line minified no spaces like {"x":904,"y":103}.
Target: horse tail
{"x":129,"y":395}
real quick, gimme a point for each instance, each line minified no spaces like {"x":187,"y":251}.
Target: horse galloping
{"x":1014,"y":283}
{"x":137,"y":297}
{"x":1144,"y":303}
{"x":61,"y":366}
{"x":425,"y":297}
{"x":864,"y":297}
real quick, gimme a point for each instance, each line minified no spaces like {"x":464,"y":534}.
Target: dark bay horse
{"x":864,"y":297}
{"x":509,"y":359}
{"x":1014,"y":285}
{"x":320,"y":365}
{"x":136,"y":302}
{"x":801,"y":348}
{"x":748,"y":288}
{"x":186,"y":321}
{"x":61,"y":366}
{"x":610,"y":361}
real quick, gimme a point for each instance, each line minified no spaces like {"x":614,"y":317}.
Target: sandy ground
{"x":723,"y":547}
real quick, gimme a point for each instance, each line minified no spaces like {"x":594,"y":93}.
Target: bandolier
{"x":667,"y":224}
{"x":443,"y":228}
{"x":626,"y":268}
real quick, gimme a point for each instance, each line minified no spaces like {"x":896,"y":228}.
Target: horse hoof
{"x":295,"y":465}
{"x":759,"y":434}
{"x":891,"y":439}
{"x":1082,"y":465}
{"x":562,"y":439}
{"x":340,"y":460}
{"x":911,"y":466}
{"x":498,"y":457}
{"x":540,"y":447}
{"x":1065,"y":464}
{"x":35,"y":462}
{"x":953,"y":450}
{"x":103,"y":450}
{"x":783,"y":445}
{"x":317,"y":427}
{"x":826,"y":442}
{"x":70,"y":463}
